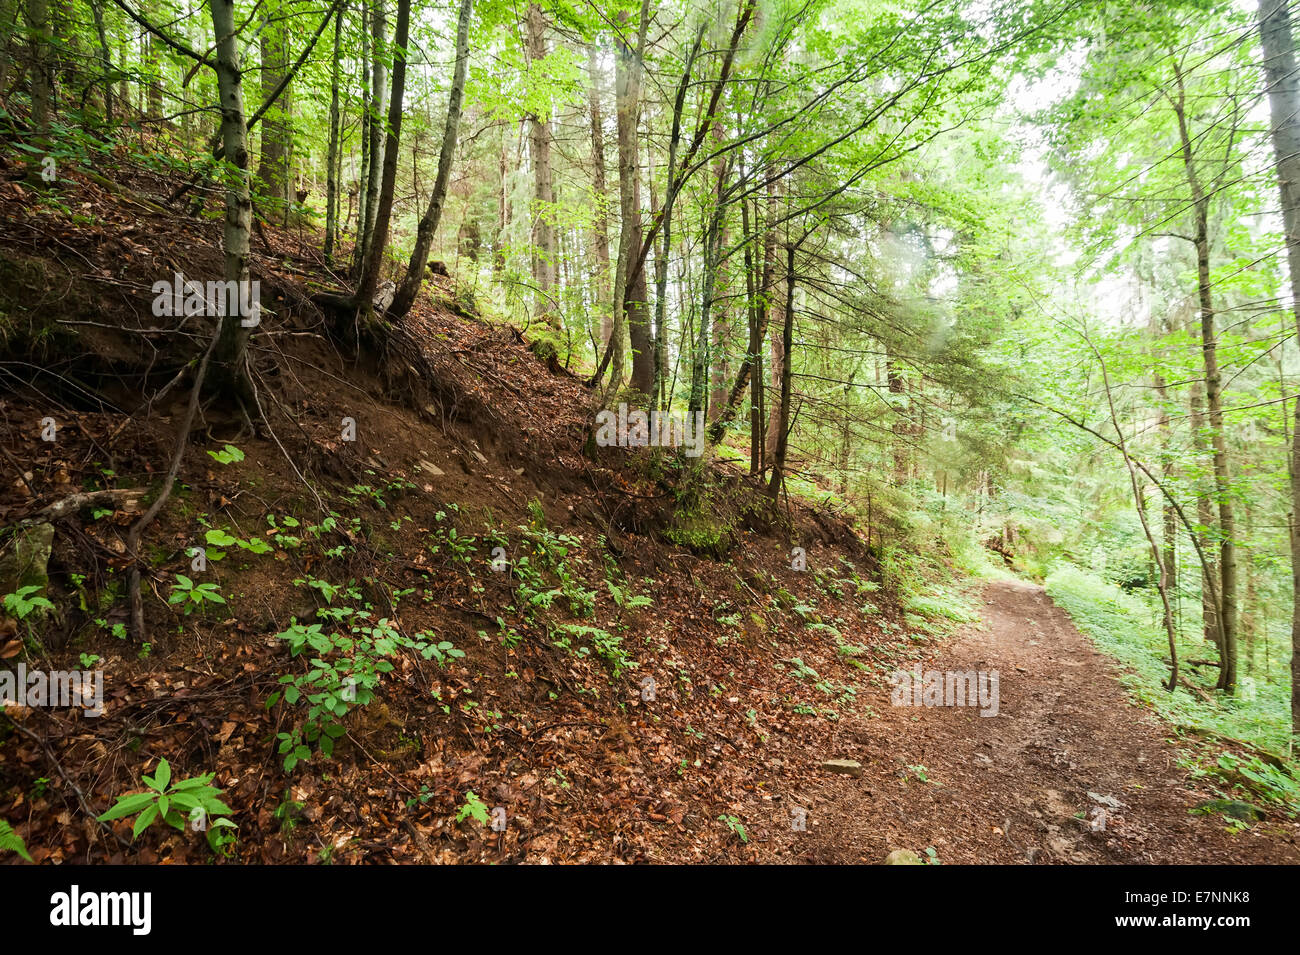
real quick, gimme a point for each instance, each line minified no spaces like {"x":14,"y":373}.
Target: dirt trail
{"x":1006,"y":789}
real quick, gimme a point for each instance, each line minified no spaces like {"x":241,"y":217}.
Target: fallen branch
{"x":127,"y":499}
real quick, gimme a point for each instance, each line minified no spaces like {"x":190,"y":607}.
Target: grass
{"x":1127,"y":629}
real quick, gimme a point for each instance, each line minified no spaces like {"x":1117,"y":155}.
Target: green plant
{"x":734,"y":826}
{"x":221,"y":538}
{"x":473,"y":807}
{"x":192,"y":800}
{"x":345,"y":670}
{"x":10,"y":841}
{"x":193,"y":596}
{"x":228,"y":455}
{"x":21,"y":603}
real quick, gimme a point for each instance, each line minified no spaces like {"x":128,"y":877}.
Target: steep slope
{"x":494,"y":612}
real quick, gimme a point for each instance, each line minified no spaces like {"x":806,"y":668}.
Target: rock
{"x":478,"y":456}
{"x":1110,"y":802}
{"x":431,"y":469}
{"x":903,"y":857}
{"x":848,"y":767}
{"x":26,"y":562}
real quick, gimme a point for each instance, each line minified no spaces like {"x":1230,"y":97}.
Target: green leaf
{"x":11,"y":841}
{"x":141,"y":824}
{"x":129,"y":806}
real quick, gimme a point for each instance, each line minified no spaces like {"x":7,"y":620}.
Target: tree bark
{"x":601,"y":189}
{"x":273,"y":174}
{"x":544,"y":261}
{"x":1214,"y":406}
{"x":369,"y":280}
{"x":1278,"y":45}
{"x":410,"y":284}
{"x":332,"y":160}
{"x":374,"y":131}
{"x":230,"y":375}
{"x":782,"y":442}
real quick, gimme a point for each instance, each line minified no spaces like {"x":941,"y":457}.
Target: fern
{"x":10,"y":841}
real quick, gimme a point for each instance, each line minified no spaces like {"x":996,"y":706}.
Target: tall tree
{"x":410,"y":284}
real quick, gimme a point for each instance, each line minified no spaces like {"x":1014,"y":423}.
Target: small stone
{"x":848,"y":767}
{"x":903,"y":857}
{"x":428,"y":468}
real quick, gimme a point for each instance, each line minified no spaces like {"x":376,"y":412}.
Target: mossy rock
{"x":25,"y":562}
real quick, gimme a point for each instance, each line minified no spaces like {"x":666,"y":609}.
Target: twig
{"x":133,"y":537}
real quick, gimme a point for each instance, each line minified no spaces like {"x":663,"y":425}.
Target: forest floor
{"x":763,"y":671}
{"x":1024,"y":786}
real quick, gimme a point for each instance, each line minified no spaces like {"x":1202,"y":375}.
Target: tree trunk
{"x":601,"y":189}
{"x":1214,"y":408}
{"x":369,"y":280}
{"x":273,"y":174}
{"x":544,"y":261}
{"x":1278,"y":46}
{"x":635,"y":307}
{"x":410,"y":285}
{"x":374,"y":130}
{"x":230,"y":375}
{"x":774,"y":303}
{"x":106,"y":58}
{"x":331,"y":175}
{"x":42,"y":73}
{"x":720,"y":370}
{"x":781,"y":444}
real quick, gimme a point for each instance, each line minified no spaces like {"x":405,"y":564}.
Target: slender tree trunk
{"x":1214,"y":408}
{"x":375,"y":127}
{"x":781,"y":444}
{"x":273,"y":173}
{"x":331,"y":161}
{"x":153,"y":62}
{"x":601,"y":189}
{"x":105,"y":57}
{"x":230,"y":375}
{"x":774,"y":302}
{"x":410,"y":285}
{"x":369,"y":280}
{"x":40,"y":66}
{"x":1278,"y":45}
{"x":635,"y":307}
{"x":544,"y":261}
{"x":363,"y":172}
{"x":720,"y":369}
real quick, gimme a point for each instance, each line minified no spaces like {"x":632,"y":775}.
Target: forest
{"x":675,"y":431}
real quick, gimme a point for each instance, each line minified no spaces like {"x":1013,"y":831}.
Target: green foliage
{"x":228,"y":455}
{"x":346,"y":667}
{"x":194,"y":801}
{"x":473,"y":808}
{"x":23,"y":602}
{"x":1128,"y":629}
{"x":194,"y":596}
{"x":734,"y":826}
{"x":10,"y":841}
